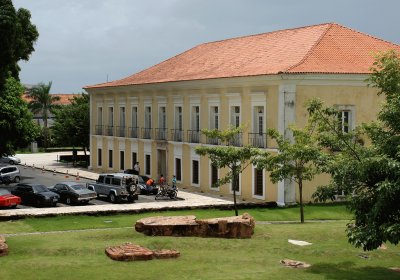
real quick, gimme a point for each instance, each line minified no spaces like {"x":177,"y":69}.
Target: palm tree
{"x":42,"y":102}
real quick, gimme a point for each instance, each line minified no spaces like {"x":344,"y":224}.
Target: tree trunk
{"x":235,"y":185}
{"x":301,"y":200}
{"x":45,"y":131}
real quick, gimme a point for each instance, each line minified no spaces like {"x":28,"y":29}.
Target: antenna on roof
{"x":107,"y":78}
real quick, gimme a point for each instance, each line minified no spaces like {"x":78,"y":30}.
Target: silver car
{"x":10,"y":160}
{"x":11,"y":172}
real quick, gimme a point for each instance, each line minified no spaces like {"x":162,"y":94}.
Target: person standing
{"x":173,"y":182}
{"x":161,"y":181}
{"x":136,"y":168}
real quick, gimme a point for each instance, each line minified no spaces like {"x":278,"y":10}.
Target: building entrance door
{"x":162,"y":162}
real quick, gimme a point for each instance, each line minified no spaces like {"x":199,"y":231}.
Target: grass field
{"x":80,"y":254}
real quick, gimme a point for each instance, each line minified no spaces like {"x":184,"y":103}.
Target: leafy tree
{"x":72,"y":122}
{"x":236,"y":159}
{"x":16,"y":125}
{"x":43,"y":103}
{"x":17,"y":38}
{"x":370,"y":175}
{"x":296,"y":159}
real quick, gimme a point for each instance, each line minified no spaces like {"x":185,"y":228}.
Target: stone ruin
{"x":227,"y":227}
{"x":3,"y":246}
{"x":133,"y":252}
{"x":294,"y":264}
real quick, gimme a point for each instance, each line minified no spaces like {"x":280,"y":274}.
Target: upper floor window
{"x":344,"y":121}
{"x":162,"y":117}
{"x":346,"y":118}
{"x":178,"y":118}
{"x":134,"y":116}
{"x":258,"y":120}
{"x":196,"y":118}
{"x":147,"y":117}
{"x":235,"y":116}
{"x":100,"y":116}
{"x":214,"y":117}
{"x":122,"y":116}
{"x":111,"y":116}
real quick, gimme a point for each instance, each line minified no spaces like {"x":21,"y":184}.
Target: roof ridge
{"x":264,"y":33}
{"x":311,"y":49}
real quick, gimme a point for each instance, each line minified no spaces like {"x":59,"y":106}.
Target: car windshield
{"x":140,"y":180}
{"x":77,"y":187}
{"x":4,"y":192}
{"x":40,"y":188}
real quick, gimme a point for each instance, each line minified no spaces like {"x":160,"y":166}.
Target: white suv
{"x":12,"y":172}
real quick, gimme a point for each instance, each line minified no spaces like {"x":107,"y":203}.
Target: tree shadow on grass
{"x":349,"y":271}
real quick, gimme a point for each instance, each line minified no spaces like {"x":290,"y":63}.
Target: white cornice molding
{"x":250,"y":81}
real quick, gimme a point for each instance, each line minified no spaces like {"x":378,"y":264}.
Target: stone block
{"x":227,"y":227}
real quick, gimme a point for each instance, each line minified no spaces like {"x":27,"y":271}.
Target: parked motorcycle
{"x":167,"y":191}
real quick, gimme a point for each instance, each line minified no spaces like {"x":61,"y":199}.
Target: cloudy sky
{"x":84,"y":42}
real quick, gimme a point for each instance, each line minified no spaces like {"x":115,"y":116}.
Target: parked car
{"x":36,"y":194}
{"x":10,"y":160}
{"x":116,"y":186}
{"x":8,"y":200}
{"x":12,"y":172}
{"x":73,"y":193}
{"x":146,"y":189}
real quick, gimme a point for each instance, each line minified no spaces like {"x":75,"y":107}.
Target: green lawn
{"x":80,"y":255}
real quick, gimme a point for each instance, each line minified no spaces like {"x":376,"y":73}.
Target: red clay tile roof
{"x":65,"y":98}
{"x":323,"y":48}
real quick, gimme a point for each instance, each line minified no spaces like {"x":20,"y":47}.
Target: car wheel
{"x":68,"y":200}
{"x":11,"y":162}
{"x":17,"y":179}
{"x":113,"y":198}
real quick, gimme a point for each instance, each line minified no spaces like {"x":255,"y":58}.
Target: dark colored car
{"x":146,"y":189}
{"x":8,"y":200}
{"x":36,"y":194}
{"x":73,"y":193}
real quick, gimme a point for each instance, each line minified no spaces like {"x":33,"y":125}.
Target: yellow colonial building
{"x":154,"y":117}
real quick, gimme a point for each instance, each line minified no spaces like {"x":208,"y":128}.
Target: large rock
{"x":129,"y":252}
{"x":227,"y":227}
{"x":3,"y":246}
{"x":133,"y":252}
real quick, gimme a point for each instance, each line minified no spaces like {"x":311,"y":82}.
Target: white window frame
{"x":352,"y":115}
{"x":134,"y":116}
{"x":175,"y":169}
{"x":110,"y":115}
{"x":210,"y":177}
{"x":148,"y":118}
{"x":145,"y":164}
{"x":100,"y":115}
{"x":253,"y":186}
{"x":213,"y":115}
{"x":176,"y":117}
{"x":232,"y":115}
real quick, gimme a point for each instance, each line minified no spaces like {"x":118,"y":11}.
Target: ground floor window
{"x":134,"y":159}
{"x":99,"y":159}
{"x":258,"y":182}
{"x":195,"y":172}
{"x":148,"y":165}
{"x":214,"y":176}
{"x":178,"y":169}
{"x":121,"y":160}
{"x":110,"y":158}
